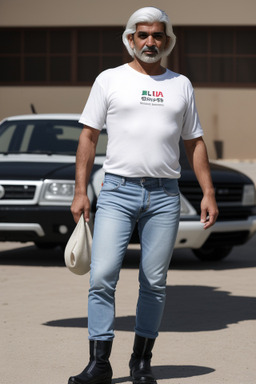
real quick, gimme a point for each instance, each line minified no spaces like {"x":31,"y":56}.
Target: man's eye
{"x":143,"y":35}
{"x":158,"y":36}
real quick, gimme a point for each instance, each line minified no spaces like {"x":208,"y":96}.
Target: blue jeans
{"x":155,"y":205}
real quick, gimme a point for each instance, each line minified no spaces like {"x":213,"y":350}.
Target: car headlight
{"x":186,"y":209}
{"x":57,"y":192}
{"x":249,"y":195}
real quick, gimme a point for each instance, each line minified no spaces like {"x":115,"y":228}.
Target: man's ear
{"x":131,"y":40}
{"x":168,"y":42}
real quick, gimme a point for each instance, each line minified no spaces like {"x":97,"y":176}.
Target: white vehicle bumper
{"x":239,"y":225}
{"x":192,"y":235}
{"x":23,"y":227}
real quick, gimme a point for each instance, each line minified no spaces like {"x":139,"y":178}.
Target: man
{"x":146,"y":109}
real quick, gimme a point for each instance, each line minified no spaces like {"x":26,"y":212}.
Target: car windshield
{"x":44,"y":137}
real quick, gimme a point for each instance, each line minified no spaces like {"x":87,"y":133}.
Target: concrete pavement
{"x":207,"y":334}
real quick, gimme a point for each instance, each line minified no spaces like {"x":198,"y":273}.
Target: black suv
{"x":37,"y":172}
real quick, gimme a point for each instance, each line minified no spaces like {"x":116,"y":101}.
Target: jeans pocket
{"x":110,"y":185}
{"x":171,"y":187}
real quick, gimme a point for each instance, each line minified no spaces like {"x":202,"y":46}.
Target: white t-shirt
{"x":145,"y":117}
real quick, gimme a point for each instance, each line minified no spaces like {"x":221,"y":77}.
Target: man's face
{"x":149,"y":42}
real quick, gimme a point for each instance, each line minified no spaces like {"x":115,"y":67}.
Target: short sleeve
{"x":191,"y":124}
{"x":95,"y":110}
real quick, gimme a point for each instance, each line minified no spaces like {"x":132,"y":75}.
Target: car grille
{"x":229,"y":199}
{"x":224,"y":193}
{"x":19,"y":192}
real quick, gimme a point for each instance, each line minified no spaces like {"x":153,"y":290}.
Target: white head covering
{"x":148,"y":15}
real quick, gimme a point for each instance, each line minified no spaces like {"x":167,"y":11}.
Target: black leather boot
{"x":99,"y":370}
{"x":140,"y":369}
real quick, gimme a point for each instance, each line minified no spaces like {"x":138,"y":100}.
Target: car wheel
{"x":212,"y":254}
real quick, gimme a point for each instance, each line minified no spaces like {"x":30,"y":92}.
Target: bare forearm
{"x":198,"y":158}
{"x":84,"y":162}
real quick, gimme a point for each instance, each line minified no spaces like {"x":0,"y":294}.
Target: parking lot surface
{"x":208,"y":333}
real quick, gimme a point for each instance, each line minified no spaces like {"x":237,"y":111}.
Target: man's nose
{"x":150,"y":41}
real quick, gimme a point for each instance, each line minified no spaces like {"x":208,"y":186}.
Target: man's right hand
{"x":81,"y":204}
{"x":84,"y":162}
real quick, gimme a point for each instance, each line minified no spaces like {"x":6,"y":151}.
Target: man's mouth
{"x":150,"y":50}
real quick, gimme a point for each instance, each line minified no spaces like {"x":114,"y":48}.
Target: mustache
{"x":152,"y":49}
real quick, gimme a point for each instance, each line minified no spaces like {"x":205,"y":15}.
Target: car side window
{"x":6,"y":135}
{"x":45,"y":136}
{"x":26,"y":138}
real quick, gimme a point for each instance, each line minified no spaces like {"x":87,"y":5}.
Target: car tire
{"x":212,"y":254}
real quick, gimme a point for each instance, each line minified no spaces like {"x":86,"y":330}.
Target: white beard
{"x":141,"y":55}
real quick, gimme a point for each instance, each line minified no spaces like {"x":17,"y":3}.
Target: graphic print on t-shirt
{"x":155,"y":98}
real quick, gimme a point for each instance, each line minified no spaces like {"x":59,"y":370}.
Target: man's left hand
{"x":209,"y":211}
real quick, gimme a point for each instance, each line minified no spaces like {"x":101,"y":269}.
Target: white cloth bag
{"x":78,"y":249}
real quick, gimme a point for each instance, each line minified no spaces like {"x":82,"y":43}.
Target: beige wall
{"x":226,"y":114}
{"x":17,"y":100}
{"x":115,"y":12}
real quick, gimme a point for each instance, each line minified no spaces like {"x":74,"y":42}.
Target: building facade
{"x":51,"y":51}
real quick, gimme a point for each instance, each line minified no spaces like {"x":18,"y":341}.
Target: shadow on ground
{"x":163,"y":372}
{"x":183,"y":259}
{"x":187,"y":309}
